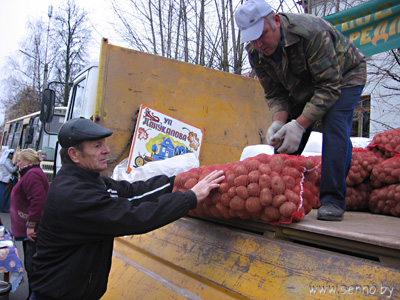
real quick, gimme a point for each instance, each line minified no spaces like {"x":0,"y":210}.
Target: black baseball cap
{"x":75,"y":131}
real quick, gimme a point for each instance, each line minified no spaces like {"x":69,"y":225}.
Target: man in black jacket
{"x":84,"y":211}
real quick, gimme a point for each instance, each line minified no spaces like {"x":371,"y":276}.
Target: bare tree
{"x":198,"y":31}
{"x":384,"y":87}
{"x":203,"y":32}
{"x":53,"y":53}
{"x":26,"y":72}
{"x":25,"y":103}
{"x":72,"y":36}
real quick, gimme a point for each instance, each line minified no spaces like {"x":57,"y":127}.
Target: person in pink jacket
{"x":27,"y":202}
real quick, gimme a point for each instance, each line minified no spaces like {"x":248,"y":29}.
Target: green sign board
{"x":373,"y":26}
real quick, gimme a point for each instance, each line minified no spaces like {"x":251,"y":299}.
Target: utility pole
{"x":46,"y":67}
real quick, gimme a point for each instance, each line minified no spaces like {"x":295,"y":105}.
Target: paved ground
{"x":22,"y":291}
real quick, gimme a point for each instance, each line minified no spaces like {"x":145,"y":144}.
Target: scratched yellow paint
{"x":230,"y":108}
{"x":212,"y":260}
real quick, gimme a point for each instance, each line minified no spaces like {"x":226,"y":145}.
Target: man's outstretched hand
{"x":203,"y":188}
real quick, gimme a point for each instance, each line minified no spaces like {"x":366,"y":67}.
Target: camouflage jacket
{"x":317,"y":61}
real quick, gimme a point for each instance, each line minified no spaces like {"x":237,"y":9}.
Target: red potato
{"x":264,"y":169}
{"x":264,"y":218}
{"x":266,"y":197}
{"x":264,"y":181}
{"x":241,"y":180}
{"x":178,"y":183}
{"x":313,"y":176}
{"x":309,"y":162}
{"x":277,"y":184}
{"x":278,"y":200}
{"x":309,"y":199}
{"x":397,"y":197}
{"x":228,"y":172}
{"x":223,"y":210}
{"x":230,"y":179}
{"x":253,"y":205}
{"x":252,"y":164}
{"x":276,"y":162}
{"x":206,"y":211}
{"x":232,"y":191}
{"x":215,"y":213}
{"x":292,"y":172}
{"x":272,"y":213}
{"x":396,"y":173}
{"x":263,"y":158}
{"x":289,"y":181}
{"x":237,"y":203}
{"x":244,"y":215}
{"x":242,"y":192}
{"x":253,"y":189}
{"x":254,"y":176}
{"x":241,"y":170}
{"x":223,"y":187}
{"x":190,"y":183}
{"x":390,"y":179}
{"x":287,"y":209}
{"x":292,"y":197}
{"x":225,"y":199}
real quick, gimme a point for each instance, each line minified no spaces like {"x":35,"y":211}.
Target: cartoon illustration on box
{"x":158,"y":137}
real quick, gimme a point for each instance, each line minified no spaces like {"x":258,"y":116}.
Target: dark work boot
{"x":330,"y":212}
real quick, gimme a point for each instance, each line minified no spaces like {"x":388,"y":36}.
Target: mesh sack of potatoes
{"x":271,"y":188}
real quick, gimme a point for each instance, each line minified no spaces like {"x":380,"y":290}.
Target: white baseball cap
{"x":249,"y":18}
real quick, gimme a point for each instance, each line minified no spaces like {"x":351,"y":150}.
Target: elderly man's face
{"x":269,"y":39}
{"x":94,"y":155}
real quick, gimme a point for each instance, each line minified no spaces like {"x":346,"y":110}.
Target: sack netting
{"x":273,"y":188}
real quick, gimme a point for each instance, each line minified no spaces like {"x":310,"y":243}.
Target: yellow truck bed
{"x":213,"y":259}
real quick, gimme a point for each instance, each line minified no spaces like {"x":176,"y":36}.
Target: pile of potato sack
{"x":281,"y":188}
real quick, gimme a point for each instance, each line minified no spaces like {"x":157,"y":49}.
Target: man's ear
{"x":73,"y":154}
{"x":277,"y":20}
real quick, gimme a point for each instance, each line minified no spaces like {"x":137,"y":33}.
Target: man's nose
{"x":106,"y":149}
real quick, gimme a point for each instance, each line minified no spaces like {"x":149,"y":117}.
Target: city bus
{"x":29,"y":132}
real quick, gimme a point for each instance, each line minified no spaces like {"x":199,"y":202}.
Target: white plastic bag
{"x":170,"y":167}
{"x":254,"y":150}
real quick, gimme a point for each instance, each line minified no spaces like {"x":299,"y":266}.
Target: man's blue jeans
{"x":336,"y":146}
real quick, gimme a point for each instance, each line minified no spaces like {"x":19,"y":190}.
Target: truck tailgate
{"x":199,"y":259}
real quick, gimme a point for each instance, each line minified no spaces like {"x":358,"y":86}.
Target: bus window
{"x":10,"y":136}
{"x":34,"y":123}
{"x":4,"y":141}
{"x":77,"y":105}
{"x":17,"y":135}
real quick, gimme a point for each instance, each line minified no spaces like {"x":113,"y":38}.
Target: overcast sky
{"x":15,"y":14}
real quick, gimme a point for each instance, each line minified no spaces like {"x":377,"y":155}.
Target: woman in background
{"x":27,"y":203}
{"x":7,"y":180}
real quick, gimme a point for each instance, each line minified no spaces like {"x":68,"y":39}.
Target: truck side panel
{"x":231,"y":108}
{"x":215,"y":262}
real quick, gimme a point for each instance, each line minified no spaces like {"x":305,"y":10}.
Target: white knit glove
{"x":291,"y":133}
{"x":272,"y":130}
